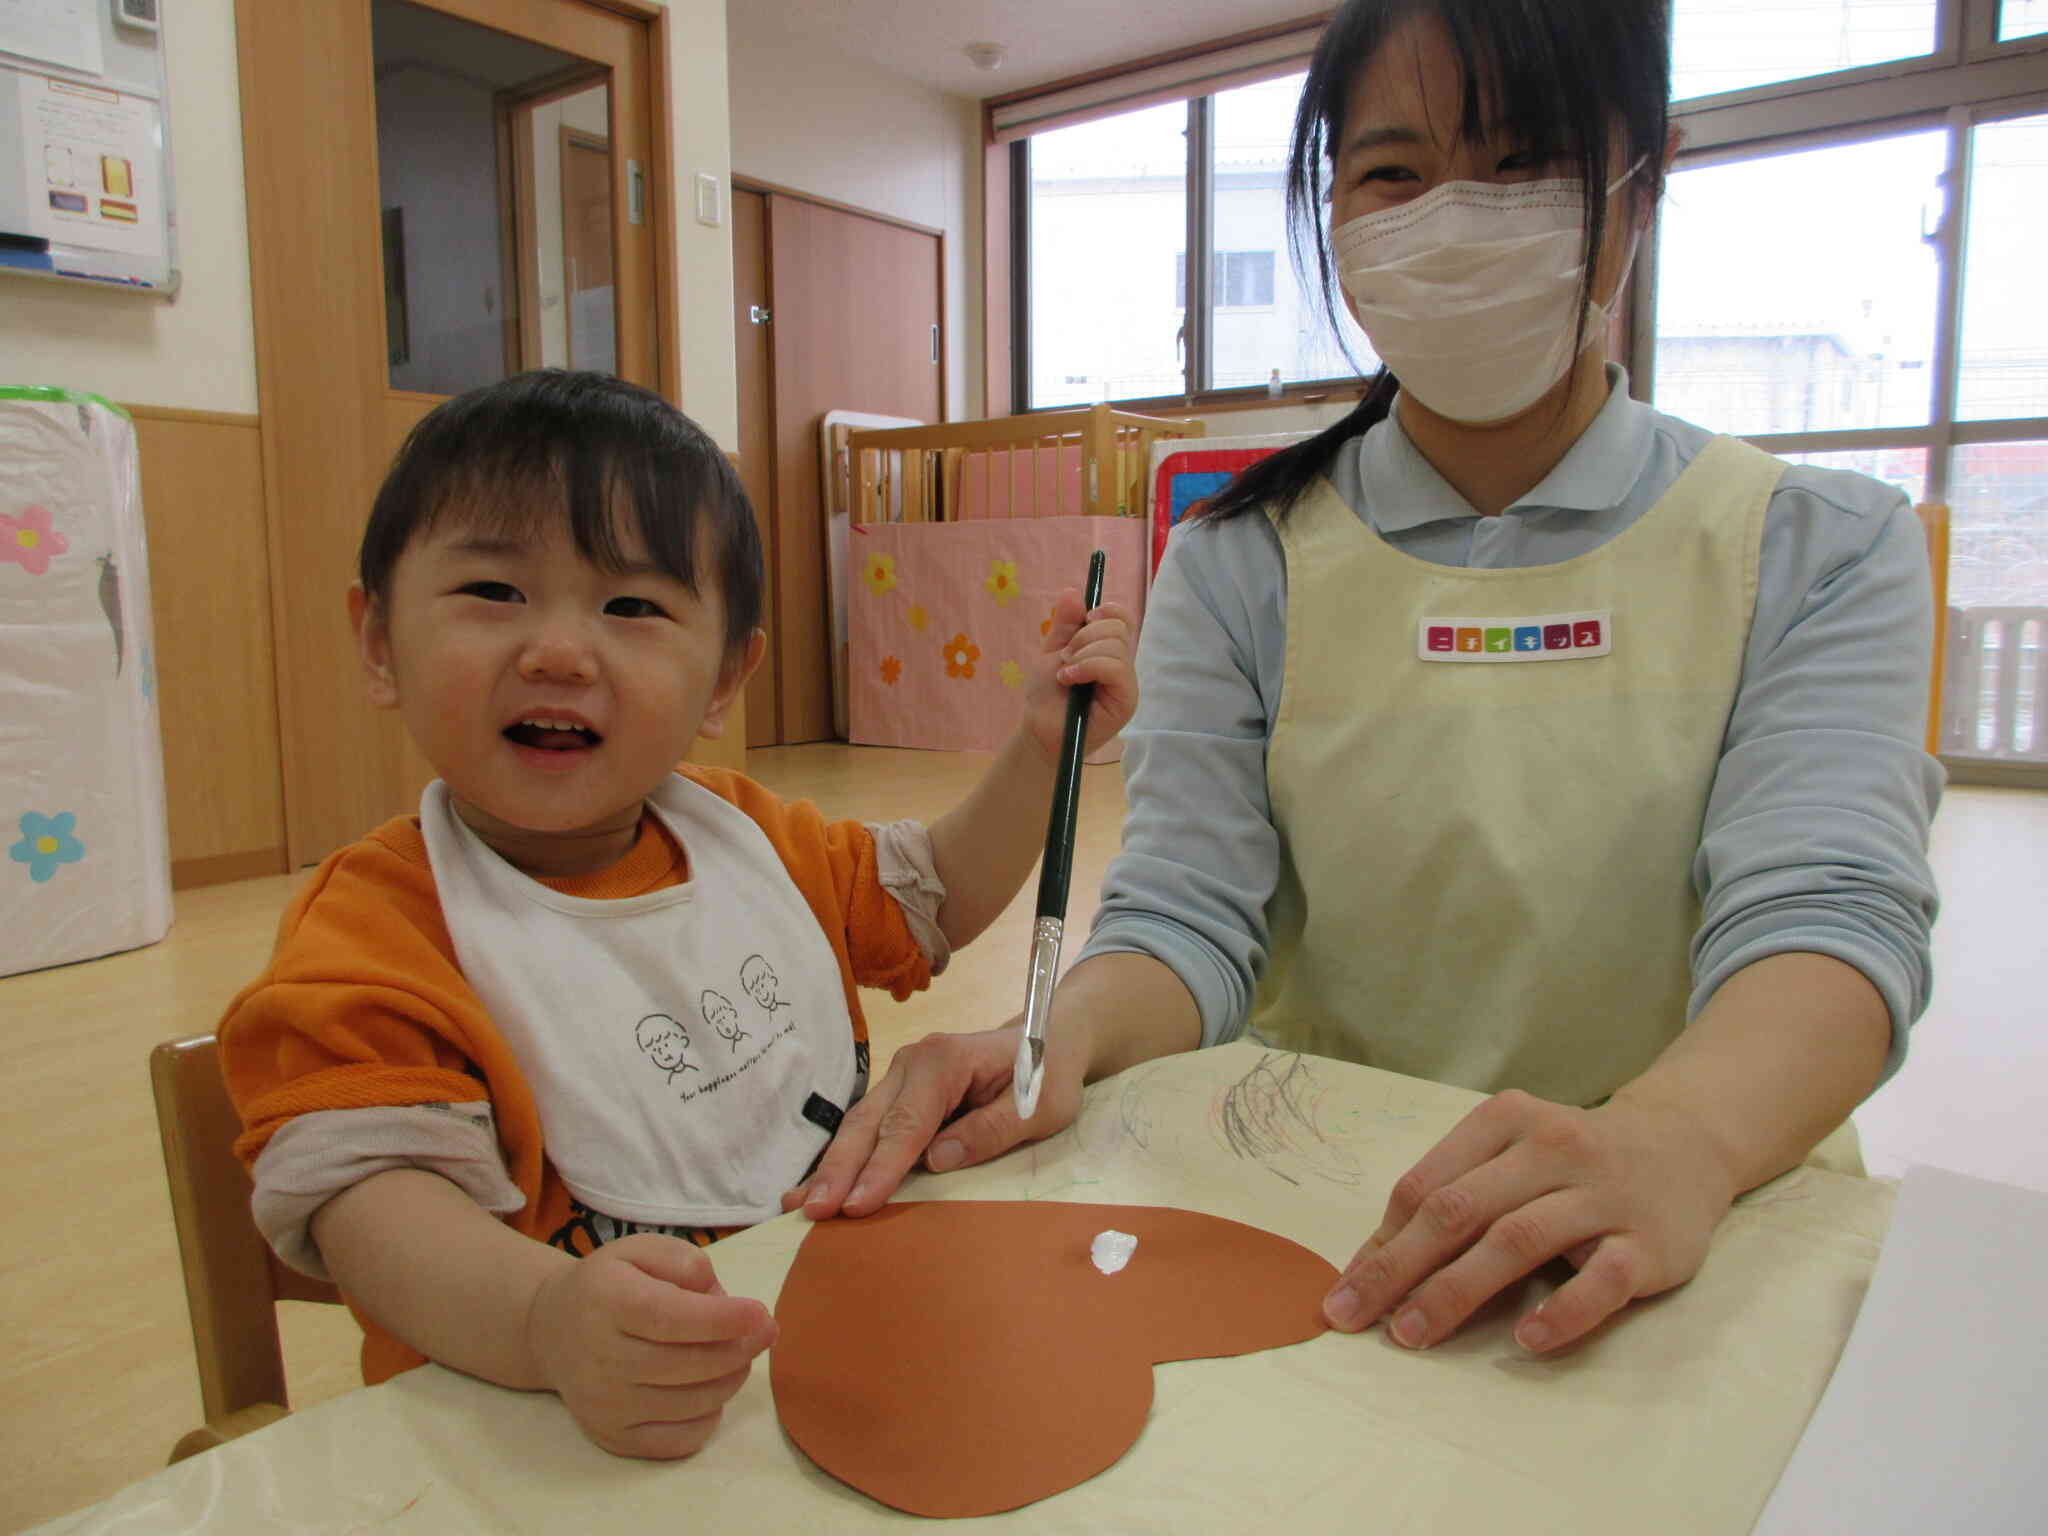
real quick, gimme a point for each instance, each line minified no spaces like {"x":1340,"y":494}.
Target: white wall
{"x":702,"y":141}
{"x":436,"y":142}
{"x":197,"y":350}
{"x":840,"y":128}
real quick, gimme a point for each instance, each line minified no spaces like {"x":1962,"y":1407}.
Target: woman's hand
{"x":958,"y":1085}
{"x":1629,"y":1193}
{"x":643,"y":1346}
{"x":1079,"y":647}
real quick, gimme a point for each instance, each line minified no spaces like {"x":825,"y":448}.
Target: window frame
{"x":1968,"y":82}
{"x":1197,"y":255}
{"x":1967,"y":78}
{"x":1965,"y":33}
{"x":1979,"y":82}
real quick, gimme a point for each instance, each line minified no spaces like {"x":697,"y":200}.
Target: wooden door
{"x":752,"y":316}
{"x":330,"y":418}
{"x":857,"y":306}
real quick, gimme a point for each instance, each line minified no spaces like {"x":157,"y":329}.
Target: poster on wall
{"x":85,"y":163}
{"x":92,"y":156}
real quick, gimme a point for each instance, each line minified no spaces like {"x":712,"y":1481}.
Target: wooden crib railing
{"x":1082,"y":463}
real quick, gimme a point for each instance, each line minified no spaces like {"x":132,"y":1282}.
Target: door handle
{"x":935,"y":345}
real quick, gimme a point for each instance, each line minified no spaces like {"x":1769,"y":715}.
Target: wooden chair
{"x":233,"y":1281}
{"x":1933,"y":517}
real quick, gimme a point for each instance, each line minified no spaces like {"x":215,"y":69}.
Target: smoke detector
{"x":985,"y":55}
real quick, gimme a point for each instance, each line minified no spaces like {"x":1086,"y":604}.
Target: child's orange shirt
{"x":364,"y":1006}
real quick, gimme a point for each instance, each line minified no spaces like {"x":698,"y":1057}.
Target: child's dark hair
{"x":1560,"y":73}
{"x":514,"y":454}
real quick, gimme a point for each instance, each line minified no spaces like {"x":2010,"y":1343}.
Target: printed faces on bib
{"x":1548,"y":637}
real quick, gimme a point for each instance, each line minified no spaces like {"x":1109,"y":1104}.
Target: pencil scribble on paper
{"x":1134,"y":1110}
{"x":1271,"y":1116}
{"x":1787,"y":1189}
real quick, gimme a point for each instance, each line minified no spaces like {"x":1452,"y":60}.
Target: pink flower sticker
{"x":29,"y":540}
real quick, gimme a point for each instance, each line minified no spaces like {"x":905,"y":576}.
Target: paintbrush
{"x":1053,"y":876}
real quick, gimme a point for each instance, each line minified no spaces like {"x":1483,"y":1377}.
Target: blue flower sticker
{"x":46,"y":842}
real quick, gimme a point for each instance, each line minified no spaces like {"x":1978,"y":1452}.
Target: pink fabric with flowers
{"x":944,"y":620}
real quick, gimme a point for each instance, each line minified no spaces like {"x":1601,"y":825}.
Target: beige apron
{"x":1488,"y":824}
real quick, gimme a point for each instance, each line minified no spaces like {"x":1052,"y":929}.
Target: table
{"x":1678,"y":1417}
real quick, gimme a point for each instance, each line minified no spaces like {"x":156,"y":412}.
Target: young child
{"x":517,"y":1059}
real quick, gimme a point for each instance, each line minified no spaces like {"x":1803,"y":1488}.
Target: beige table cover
{"x":1677,"y":1418}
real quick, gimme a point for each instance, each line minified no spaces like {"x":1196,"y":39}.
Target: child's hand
{"x":641,"y":1342}
{"x":1084,"y":648}
{"x":945,"y":1102}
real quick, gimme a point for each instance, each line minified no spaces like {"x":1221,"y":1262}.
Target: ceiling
{"x":1044,"y":39}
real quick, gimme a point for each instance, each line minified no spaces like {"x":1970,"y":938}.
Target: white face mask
{"x":1470,"y":292}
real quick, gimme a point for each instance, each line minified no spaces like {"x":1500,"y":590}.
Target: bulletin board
{"x":85,"y":158}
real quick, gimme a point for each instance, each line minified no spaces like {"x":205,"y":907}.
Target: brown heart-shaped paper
{"x":964,"y":1357}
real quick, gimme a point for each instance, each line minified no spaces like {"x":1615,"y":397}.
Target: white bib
{"x":673,"y":1040}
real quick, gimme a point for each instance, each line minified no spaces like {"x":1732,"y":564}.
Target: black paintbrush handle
{"x":1058,"y":867}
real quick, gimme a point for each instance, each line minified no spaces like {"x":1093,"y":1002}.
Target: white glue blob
{"x":1112,"y":1250}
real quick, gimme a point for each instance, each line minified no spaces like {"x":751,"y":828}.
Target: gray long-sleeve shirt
{"x":1815,"y":833}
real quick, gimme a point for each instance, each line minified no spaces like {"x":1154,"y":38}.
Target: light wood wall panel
{"x":202,"y":501}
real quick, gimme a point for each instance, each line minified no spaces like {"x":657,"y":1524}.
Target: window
{"x":1787,"y":106}
{"x":1248,"y":130}
{"x":1854,"y":285}
{"x":2005,"y":318}
{"x":1103,"y":194}
{"x":1727,"y":45}
{"x":2022,"y":18}
{"x":1998,"y":496}
{"x":1796,"y":293}
{"x":1106,"y":290}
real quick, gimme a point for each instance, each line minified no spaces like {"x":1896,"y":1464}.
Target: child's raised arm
{"x":985,"y":847}
{"x":638,"y":1339}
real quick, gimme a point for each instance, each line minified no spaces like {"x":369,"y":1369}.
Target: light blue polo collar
{"x":1402,"y":489}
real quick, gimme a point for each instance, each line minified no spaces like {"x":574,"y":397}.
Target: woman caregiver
{"x":1508,"y":733}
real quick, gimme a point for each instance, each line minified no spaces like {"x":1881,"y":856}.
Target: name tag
{"x":1549,"y":637}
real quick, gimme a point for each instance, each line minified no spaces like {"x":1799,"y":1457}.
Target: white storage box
{"x":87,"y":869}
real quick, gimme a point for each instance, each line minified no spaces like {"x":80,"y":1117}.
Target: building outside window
{"x":1108,"y":274}
{"x":1237,"y":279}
